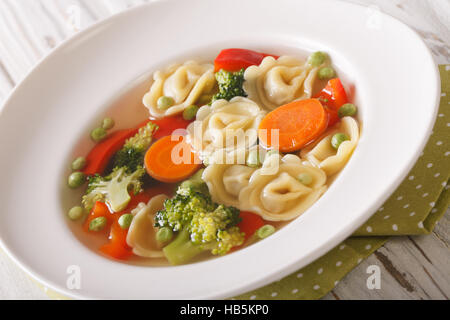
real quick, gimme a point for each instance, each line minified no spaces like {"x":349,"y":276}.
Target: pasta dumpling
{"x":225,"y":181}
{"x":322,"y":154}
{"x":142,"y":233}
{"x":275,"y":191}
{"x":184,"y":83}
{"x":276,"y":82}
{"x":225,"y":126}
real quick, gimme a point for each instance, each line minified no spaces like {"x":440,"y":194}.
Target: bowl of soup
{"x":203,"y":162}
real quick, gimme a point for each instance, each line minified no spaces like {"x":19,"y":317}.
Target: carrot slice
{"x":170,"y":159}
{"x":298,"y":123}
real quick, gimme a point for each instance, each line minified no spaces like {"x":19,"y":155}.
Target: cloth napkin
{"x":413,"y":209}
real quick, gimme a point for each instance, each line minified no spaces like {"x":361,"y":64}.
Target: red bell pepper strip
{"x":333,"y":97}
{"x":250,"y":223}
{"x":236,"y":59}
{"x":99,"y":156}
{"x":100,"y":209}
{"x":117,"y":246}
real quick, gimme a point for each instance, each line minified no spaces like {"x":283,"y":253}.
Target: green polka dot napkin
{"x":413,"y":209}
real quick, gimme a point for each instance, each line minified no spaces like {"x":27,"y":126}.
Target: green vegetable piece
{"x":202,"y":225}
{"x":78,"y":164}
{"x":125,"y":220}
{"x":164,"y":235}
{"x":253,"y":160}
{"x":181,"y":249}
{"x":98,"y":134}
{"x":190,"y":112}
{"x":337,"y":140}
{"x":305,"y":178}
{"x":347,"y":110}
{"x":187,"y":184}
{"x":113,"y":189}
{"x":317,"y":58}
{"x":195,"y":183}
{"x":326,"y":73}
{"x":165,"y":103}
{"x":230,"y":85}
{"x":97,"y":224}
{"x":76,"y":179}
{"x":76,"y":213}
{"x":133,"y":152}
{"x":265,"y":231}
{"x":108,"y":123}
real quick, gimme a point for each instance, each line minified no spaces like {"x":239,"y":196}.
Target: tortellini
{"x":184,"y":83}
{"x":225,"y":182}
{"x":322,"y":155}
{"x":276,"y":82}
{"x":142,"y":233}
{"x":275,"y":191}
{"x":225,"y":126}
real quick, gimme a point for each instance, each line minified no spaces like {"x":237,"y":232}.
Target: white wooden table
{"x":412,"y":267}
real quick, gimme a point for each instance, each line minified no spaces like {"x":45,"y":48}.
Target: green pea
{"x":337,"y":139}
{"x":165,"y":103}
{"x":78,"y":164}
{"x":76,"y":213}
{"x":125,"y":220}
{"x":76,"y":179}
{"x":98,"y":134}
{"x":265,"y":231}
{"x":108,"y":123}
{"x":98,"y":224}
{"x":190,"y":112}
{"x":317,"y":58}
{"x":253,"y":160}
{"x":347,"y":110}
{"x":305,"y":178}
{"x":164,"y":235}
{"x":326,"y":73}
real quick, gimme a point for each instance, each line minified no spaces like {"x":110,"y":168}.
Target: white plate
{"x":391,"y":74}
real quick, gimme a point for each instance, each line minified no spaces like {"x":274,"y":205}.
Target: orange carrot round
{"x":298,"y":123}
{"x":171,"y":160}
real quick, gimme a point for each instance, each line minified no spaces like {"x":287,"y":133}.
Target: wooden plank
{"x":411,"y":268}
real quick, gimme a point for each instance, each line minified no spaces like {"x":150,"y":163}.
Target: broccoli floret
{"x":113,"y":189}
{"x":205,"y":226}
{"x":132,"y":153}
{"x":230,"y":85}
{"x":180,"y":210}
{"x":202,"y":225}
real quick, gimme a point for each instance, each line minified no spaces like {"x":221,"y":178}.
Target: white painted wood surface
{"x":412,"y":267}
